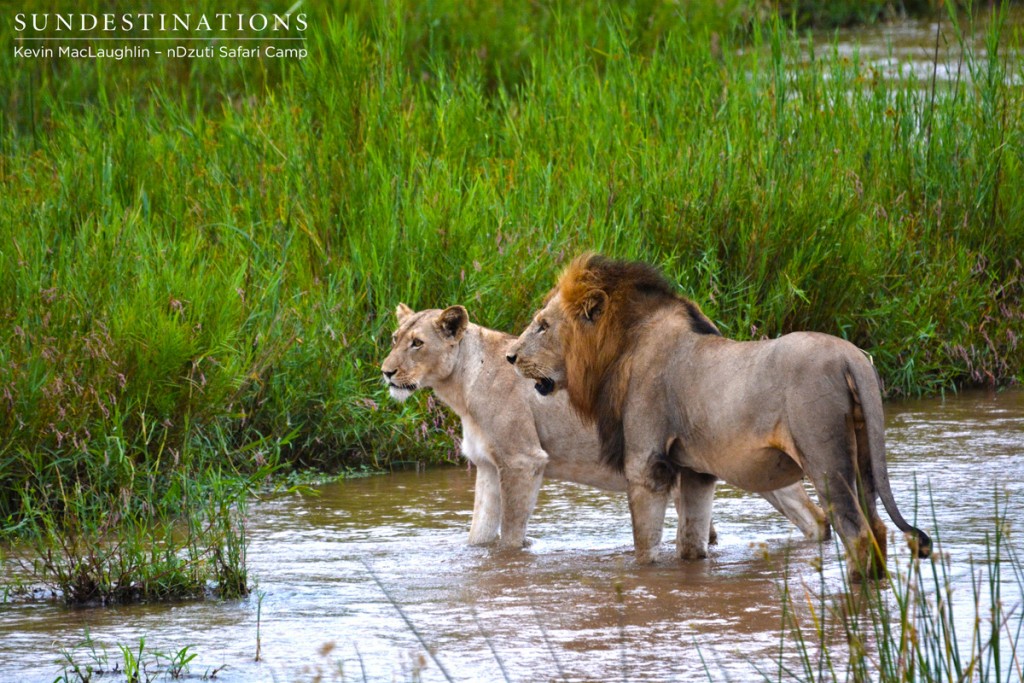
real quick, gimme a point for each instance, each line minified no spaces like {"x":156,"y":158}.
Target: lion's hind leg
{"x":829,"y":456}
{"x":862,"y":534}
{"x":695,"y":495}
{"x":826,"y":440}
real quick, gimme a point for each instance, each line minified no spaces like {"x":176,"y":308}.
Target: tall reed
{"x":918,"y":626}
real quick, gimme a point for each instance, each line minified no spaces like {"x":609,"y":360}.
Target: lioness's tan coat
{"x":671,"y":396}
{"x":513,"y":435}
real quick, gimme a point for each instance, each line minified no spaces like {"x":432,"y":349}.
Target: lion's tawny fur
{"x":668,"y":391}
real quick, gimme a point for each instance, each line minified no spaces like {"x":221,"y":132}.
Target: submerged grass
{"x":86,"y":661}
{"x":199,"y":258}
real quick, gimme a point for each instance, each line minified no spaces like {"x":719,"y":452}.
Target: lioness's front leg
{"x":695,"y":495}
{"x":793,"y":502}
{"x":520,"y":484}
{"x":486,"y":505}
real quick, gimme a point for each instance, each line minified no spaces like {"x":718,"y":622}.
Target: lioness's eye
{"x":417,"y":343}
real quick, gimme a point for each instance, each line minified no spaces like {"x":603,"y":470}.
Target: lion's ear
{"x":402,"y":312}
{"x":593,"y":305}
{"x":452,"y":322}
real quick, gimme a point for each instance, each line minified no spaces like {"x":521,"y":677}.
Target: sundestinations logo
{"x":150,"y":21}
{"x":171,"y":35}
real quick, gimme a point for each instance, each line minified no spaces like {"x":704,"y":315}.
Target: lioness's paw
{"x":482,"y":539}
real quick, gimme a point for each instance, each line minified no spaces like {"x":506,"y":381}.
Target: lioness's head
{"x":424,"y":348}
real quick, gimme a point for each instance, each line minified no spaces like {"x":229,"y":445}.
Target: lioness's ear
{"x":593,"y":305}
{"x":403,"y":312}
{"x":452,"y":322}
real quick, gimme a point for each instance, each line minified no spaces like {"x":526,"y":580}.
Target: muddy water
{"x":358,"y":582}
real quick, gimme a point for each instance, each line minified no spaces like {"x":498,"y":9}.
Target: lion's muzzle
{"x":526,"y":366}
{"x":544,"y":386}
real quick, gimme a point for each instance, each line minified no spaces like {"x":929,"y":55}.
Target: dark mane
{"x":645,"y":286}
{"x":699,"y":322}
{"x":605,"y":301}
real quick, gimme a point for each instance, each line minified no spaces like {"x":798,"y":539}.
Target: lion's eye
{"x":417,"y":343}
{"x":542,"y":326}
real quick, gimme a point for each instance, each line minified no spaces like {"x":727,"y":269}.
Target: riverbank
{"x":201,"y":256}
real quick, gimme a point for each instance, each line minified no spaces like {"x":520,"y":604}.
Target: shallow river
{"x":926,"y":49}
{"x":357,"y":582}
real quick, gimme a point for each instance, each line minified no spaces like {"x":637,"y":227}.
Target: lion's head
{"x":537,"y":353}
{"x":424,"y":348}
{"x":579,"y":340}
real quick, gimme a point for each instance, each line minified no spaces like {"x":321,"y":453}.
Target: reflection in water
{"x":573,"y":605}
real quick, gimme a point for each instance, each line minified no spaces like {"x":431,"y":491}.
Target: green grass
{"x":199,"y":259}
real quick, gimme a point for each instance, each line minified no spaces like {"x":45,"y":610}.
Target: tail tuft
{"x":922,"y":545}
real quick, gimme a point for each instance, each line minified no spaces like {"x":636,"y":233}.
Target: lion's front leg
{"x":486,"y":505}
{"x":647,"y":509}
{"x":681,"y":515}
{"x":694,"y":497}
{"x":520,"y":484}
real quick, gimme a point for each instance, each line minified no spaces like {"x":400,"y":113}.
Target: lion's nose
{"x":511,"y":358}
{"x":389,"y":373}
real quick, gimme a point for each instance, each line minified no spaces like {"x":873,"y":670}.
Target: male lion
{"x":514,"y":436}
{"x":675,"y":402}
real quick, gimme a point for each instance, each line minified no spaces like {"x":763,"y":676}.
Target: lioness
{"x":674,"y":401}
{"x":514,"y":436}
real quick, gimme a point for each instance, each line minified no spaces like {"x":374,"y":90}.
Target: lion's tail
{"x":865,"y":389}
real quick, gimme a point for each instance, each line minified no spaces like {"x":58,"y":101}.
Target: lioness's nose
{"x":389,"y":373}
{"x":511,"y":358}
